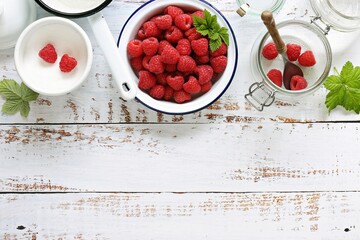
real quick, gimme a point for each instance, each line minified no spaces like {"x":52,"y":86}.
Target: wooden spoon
{"x":290,"y":69}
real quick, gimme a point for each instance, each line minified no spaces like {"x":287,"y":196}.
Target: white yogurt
{"x":73,"y":6}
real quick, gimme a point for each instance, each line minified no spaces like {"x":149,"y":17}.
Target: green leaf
{"x":209,"y":26}
{"x":17,"y":97}
{"x":198,"y":21}
{"x":216,"y":27}
{"x":332,"y":83}
{"x":346,"y":70}
{"x":344,"y":89}
{"x":215,"y":44}
{"x":207,"y":17}
{"x":28,"y":94}
{"x":10,"y":89}
{"x":203,"y":32}
{"x":11,"y":106}
{"x":224,"y":35}
{"x":214,"y":36}
{"x":24,"y":108}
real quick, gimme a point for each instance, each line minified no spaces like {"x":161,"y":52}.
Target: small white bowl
{"x":67,"y":38}
{"x":154,"y":7}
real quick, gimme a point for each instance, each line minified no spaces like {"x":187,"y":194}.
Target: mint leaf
{"x":207,"y":18}
{"x":344,"y":89}
{"x":214,"y":36}
{"x":215,"y":44}
{"x":209,"y":26}
{"x":203,"y":32}
{"x":198,"y":21}
{"x":17,"y":97}
{"x":223,"y":32}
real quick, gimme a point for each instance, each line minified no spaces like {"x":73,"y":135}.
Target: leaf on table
{"x":17,"y":97}
{"x":28,"y":94}
{"x":344,"y":89}
{"x":10,"y":89}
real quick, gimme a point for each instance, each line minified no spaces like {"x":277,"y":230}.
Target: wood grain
{"x":90,"y":165}
{"x":181,"y":157}
{"x":317,"y":215}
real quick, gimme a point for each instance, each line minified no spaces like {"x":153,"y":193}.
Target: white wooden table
{"x":89,"y":165}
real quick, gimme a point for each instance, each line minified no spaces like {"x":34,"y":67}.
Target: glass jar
{"x":256,"y":7}
{"x":311,"y":36}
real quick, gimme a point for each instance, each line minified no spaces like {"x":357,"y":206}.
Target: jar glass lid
{"x":339,"y":14}
{"x":15,"y":16}
{"x":256,"y":7}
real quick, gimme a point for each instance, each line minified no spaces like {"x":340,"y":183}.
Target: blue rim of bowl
{"x":232,"y":75}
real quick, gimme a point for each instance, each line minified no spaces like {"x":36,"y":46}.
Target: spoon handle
{"x":268,"y":19}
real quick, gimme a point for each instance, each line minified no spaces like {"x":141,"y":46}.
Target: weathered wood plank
{"x":180,"y":158}
{"x":98,"y":101}
{"x":318,"y":215}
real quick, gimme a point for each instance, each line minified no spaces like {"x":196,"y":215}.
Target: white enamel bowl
{"x":155,"y":7}
{"x":67,"y":38}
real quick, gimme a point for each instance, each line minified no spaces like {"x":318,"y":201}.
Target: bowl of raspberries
{"x":182,"y":54}
{"x":53,"y":56}
{"x":307,"y":48}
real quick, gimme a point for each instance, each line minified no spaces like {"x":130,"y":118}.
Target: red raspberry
{"x":162,"y":45}
{"x":199,"y":14}
{"x":171,"y":68}
{"x":307,"y":59}
{"x":150,"y":46}
{"x":163,"y":22}
{"x":275,"y":76}
{"x":169,"y":93}
{"x":175,"y":81}
{"x":156,"y":65}
{"x":170,"y":55}
{"x":184,"y":47}
{"x":181,"y":96}
{"x":192,"y":85}
{"x":219,"y":64}
{"x":67,"y":63}
{"x":269,"y":51}
{"x":186,"y":64}
{"x":200,"y":46}
{"x":134,"y":48}
{"x":157,"y":91}
{"x":222,"y":50}
{"x":136,"y":63}
{"x":192,"y":34}
{"x":48,"y":53}
{"x":206,"y":87}
{"x":146,"y":62}
{"x":201,"y":60}
{"x":293,"y":51}
{"x":141,"y":34}
{"x":205,"y":73}
{"x":183,"y":21}
{"x":149,"y":29}
{"x":173,"y":11}
{"x":298,"y":83}
{"x":146,"y":80}
{"x":161,"y":78}
{"x":173,"y":34}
